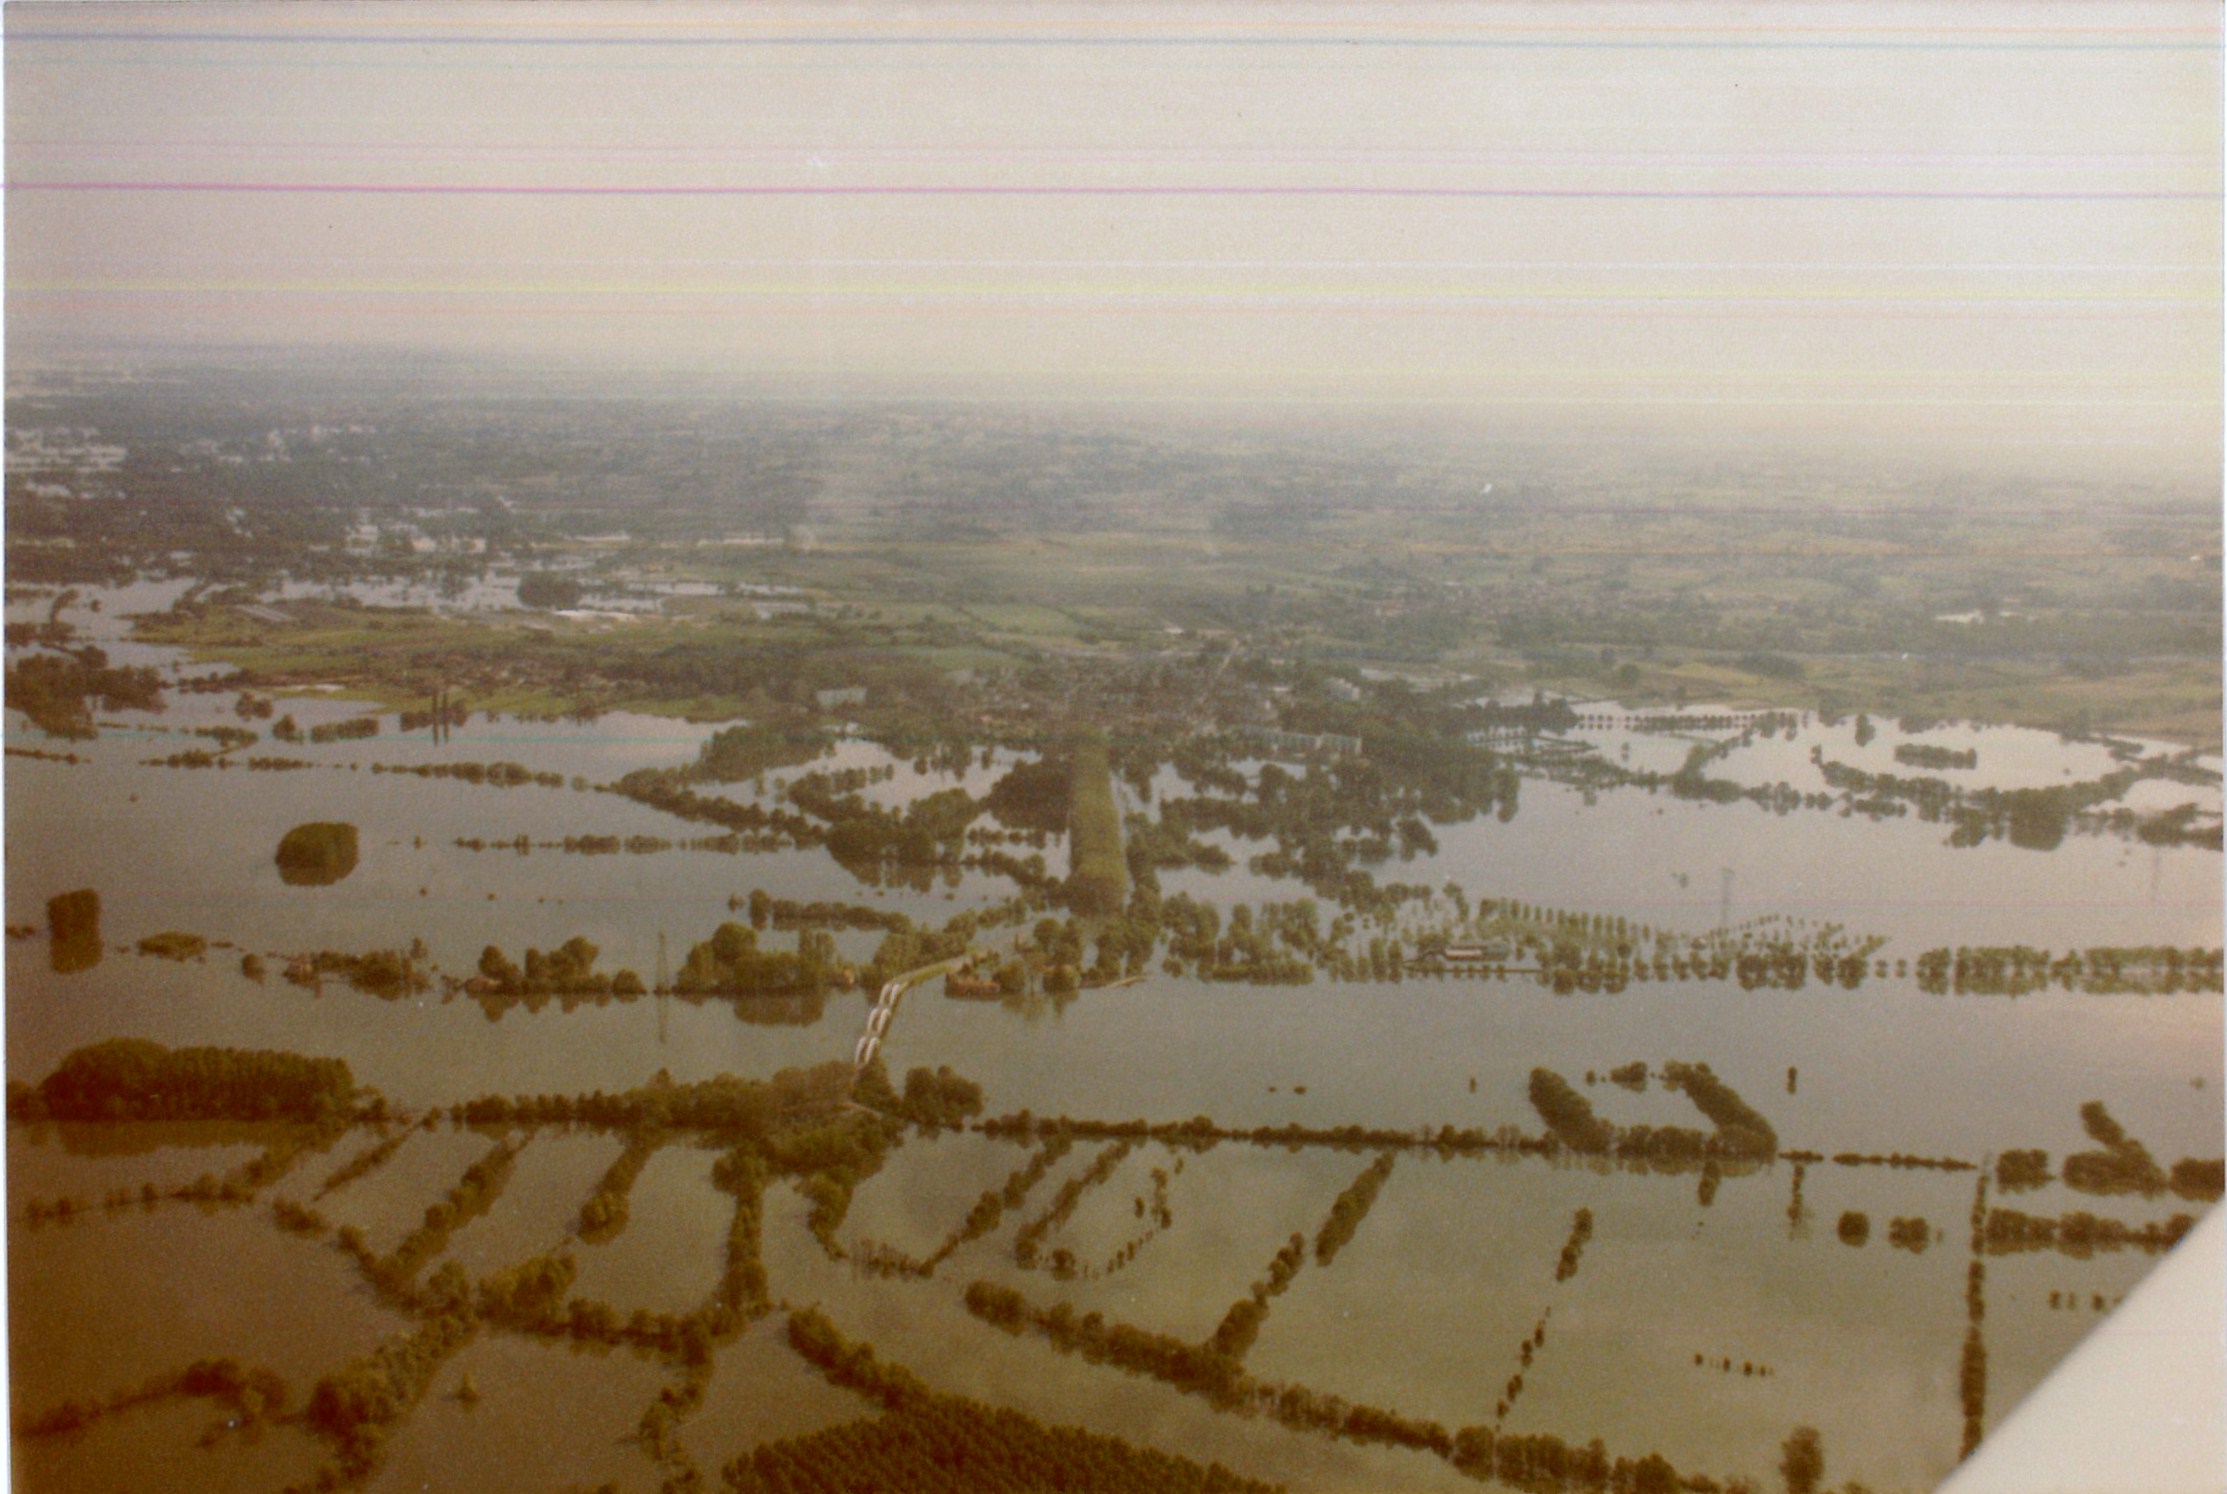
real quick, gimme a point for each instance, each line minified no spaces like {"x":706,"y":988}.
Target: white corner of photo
{"x":2140,"y":1407}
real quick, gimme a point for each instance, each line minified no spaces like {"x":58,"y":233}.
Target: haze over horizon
{"x":1987,"y":229}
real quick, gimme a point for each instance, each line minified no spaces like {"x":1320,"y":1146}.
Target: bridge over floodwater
{"x":878,"y":1020}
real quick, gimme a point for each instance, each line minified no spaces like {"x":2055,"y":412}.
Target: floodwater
{"x":1424,"y":1311}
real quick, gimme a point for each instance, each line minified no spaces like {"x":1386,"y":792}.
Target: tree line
{"x":1234,"y":1335}
{"x":784,"y":913}
{"x":493,"y":775}
{"x":1028,"y":1240}
{"x":1201,"y":1132}
{"x":238,"y":1186}
{"x":925,"y":1442}
{"x":1156,"y":1215}
{"x":2080,"y":1234}
{"x":730,"y":844}
{"x":1581,"y":1230}
{"x":1541,"y":1463}
{"x":2104,"y":970}
{"x":1741,"y":1134}
{"x":567,"y":970}
{"x":726,"y":1106}
{"x":987,"y":1212}
{"x":1349,"y":1208}
{"x":357,"y":1408}
{"x":364,"y":1162}
{"x":604,"y":1215}
{"x":387,"y":973}
{"x":251,"y":1398}
{"x":472,"y":1195}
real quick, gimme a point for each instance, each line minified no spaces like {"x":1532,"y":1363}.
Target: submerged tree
{"x":73,"y":922}
{"x":1802,"y":1460}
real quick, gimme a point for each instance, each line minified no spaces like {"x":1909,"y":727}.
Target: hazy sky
{"x":1990,"y":221}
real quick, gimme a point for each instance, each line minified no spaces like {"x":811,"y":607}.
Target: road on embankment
{"x":885,"y":1005}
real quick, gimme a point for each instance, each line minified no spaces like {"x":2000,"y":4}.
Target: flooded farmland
{"x":1156,"y":1139}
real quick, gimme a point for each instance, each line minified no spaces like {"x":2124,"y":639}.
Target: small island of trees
{"x":567,"y":970}
{"x":317,"y":854}
{"x":174,"y":944}
{"x":730,"y":963}
{"x":548,"y":591}
{"x":132,"y":1079}
{"x":1926,"y":755}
